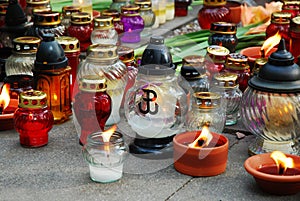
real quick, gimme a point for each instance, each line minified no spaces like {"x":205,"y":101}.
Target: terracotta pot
{"x":253,"y":53}
{"x":235,"y":11}
{"x":271,"y":183}
{"x":200,"y":161}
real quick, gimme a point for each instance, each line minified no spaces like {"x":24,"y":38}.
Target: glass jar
{"x":292,"y":7}
{"x":36,"y":4}
{"x":155,"y":9}
{"x":226,"y":85}
{"x":148,"y":16}
{"x":116,"y":19}
{"x":280,"y":22}
{"x":194,"y":71}
{"x":23,"y":55}
{"x":46,"y":22}
{"x":207,"y":108}
{"x":104,"y":60}
{"x":85,"y":5}
{"x":213,"y":11}
{"x":92,"y":105}
{"x":237,"y":63}
{"x":104,"y":31}
{"x":295,"y":38}
{"x":170,"y":9}
{"x":33,"y":119}
{"x":155,"y":108}
{"x":215,"y":59}
{"x":117,"y":4}
{"x":18,"y":84}
{"x":105,"y":159}
{"x":133,"y":24}
{"x":81,"y":28}
{"x":67,"y":12}
{"x":160,"y":12}
{"x":223,"y":34}
{"x":71,"y":48}
{"x":3,"y":8}
{"x":181,"y":7}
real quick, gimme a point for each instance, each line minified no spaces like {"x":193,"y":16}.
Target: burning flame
{"x":282,"y":161}
{"x":55,"y":97}
{"x":4,"y":97}
{"x":203,"y":140}
{"x":270,"y":43}
{"x":106,"y":137}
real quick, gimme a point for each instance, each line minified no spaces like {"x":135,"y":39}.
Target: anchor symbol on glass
{"x":145,"y":104}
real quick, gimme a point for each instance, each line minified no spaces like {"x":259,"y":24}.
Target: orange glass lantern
{"x":52,"y":76}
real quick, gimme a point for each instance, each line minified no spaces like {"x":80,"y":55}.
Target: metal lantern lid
{"x":126,"y":54}
{"x":281,"y":17}
{"x":155,"y":70}
{"x":130,"y":10}
{"x":214,"y":2}
{"x":237,"y":61}
{"x":223,"y":28}
{"x":102,"y":52}
{"x":26,"y":44}
{"x":207,"y":100}
{"x":81,"y":18}
{"x":33,"y":99}
{"x":279,"y":75}
{"x":111,"y":12}
{"x":226,"y":80}
{"x":93,"y":83}
{"x":69,"y":10}
{"x":50,"y":55}
{"x":144,"y":5}
{"x":193,"y":67}
{"x":69,"y":44}
{"x":103,"y":22}
{"x":48,"y":18}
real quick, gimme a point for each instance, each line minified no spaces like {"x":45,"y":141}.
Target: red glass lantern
{"x":33,"y":119}
{"x":3,"y":8}
{"x":72,"y":51}
{"x":92,"y":105}
{"x":52,"y":75}
{"x":295,"y":37}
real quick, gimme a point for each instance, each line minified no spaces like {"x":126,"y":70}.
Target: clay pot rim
{"x":175,"y":141}
{"x":269,"y":177}
{"x":251,"y":57}
{"x":6,"y":116}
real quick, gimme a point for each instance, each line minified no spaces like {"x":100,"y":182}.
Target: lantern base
{"x":152,"y":148}
{"x":260,"y":146}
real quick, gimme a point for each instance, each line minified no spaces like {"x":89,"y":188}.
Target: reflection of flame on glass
{"x":106,"y":137}
{"x":4,"y":97}
{"x":55,"y":97}
{"x":270,"y":43}
{"x":204,"y":138}
{"x":282,"y":161}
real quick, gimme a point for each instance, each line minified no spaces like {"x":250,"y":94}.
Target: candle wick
{"x":281,"y":170}
{"x":1,"y":108}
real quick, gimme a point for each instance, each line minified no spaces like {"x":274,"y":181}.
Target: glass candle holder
{"x":181,"y":7}
{"x":3,"y":9}
{"x":81,"y":28}
{"x":213,"y":11}
{"x":133,"y":24}
{"x":292,"y":7}
{"x":92,"y":105}
{"x":226,"y":85}
{"x":280,"y":22}
{"x":32,"y":5}
{"x":170,"y":9}
{"x":67,"y":12}
{"x":116,"y":19}
{"x":295,"y":38}
{"x":18,"y":84}
{"x":237,"y":63}
{"x":104,"y":60}
{"x":33,"y":119}
{"x":105,"y":159}
{"x":207,"y":109}
{"x":85,"y":5}
{"x":148,"y":16}
{"x":104,"y":31}
{"x":223,"y":34}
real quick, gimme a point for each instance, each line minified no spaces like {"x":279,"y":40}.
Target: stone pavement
{"x":58,"y":172}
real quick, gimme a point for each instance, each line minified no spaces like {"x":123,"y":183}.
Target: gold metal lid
{"x":281,"y":17}
{"x":102,"y":51}
{"x":111,"y":13}
{"x":93,"y":83}
{"x":81,"y":18}
{"x":237,"y":61}
{"x":46,"y":18}
{"x":207,"y":100}
{"x":217,"y":50}
{"x":69,"y":44}
{"x":103,"y":22}
{"x":37,"y":2}
{"x":144,"y":5}
{"x":259,"y":62}
{"x":69,"y":10}
{"x":126,"y":54}
{"x":41,"y":9}
{"x":223,"y":28}
{"x":3,"y":8}
{"x":193,"y":60}
{"x":291,"y":3}
{"x":33,"y":99}
{"x":226,"y":80}
{"x":26,"y":44}
{"x":130,"y":10}
{"x":214,"y":2}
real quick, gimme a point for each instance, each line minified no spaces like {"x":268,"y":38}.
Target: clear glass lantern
{"x":156,"y":108}
{"x":270,"y":105}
